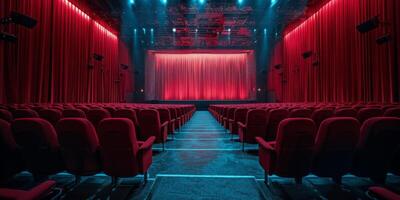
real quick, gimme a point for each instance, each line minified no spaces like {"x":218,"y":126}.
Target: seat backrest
{"x":335,"y":142}
{"x":367,"y":113}
{"x":7,"y":142}
{"x":300,"y":113}
{"x":379,"y":140}
{"x":79,"y":145}
{"x":39,"y":143}
{"x":165,"y":116}
{"x":119,"y":147}
{"x":96,"y":115}
{"x":6,"y":115}
{"x":25,"y":113}
{"x":150,"y":125}
{"x":51,"y":115}
{"x":392,"y":112}
{"x":231,"y":113}
{"x":275,"y":116}
{"x":241,"y":114}
{"x":294,"y":146}
{"x":345,"y":112}
{"x":320,"y":115}
{"x":127,"y":113}
{"x":256,"y":122}
{"x":73,"y":113}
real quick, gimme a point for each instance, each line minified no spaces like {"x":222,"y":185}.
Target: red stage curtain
{"x":50,"y":63}
{"x":351,"y":66}
{"x":201,"y":76}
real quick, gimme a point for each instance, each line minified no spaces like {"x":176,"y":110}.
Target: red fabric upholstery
{"x":291,"y":154}
{"x":165,"y":116}
{"x":150,"y":125}
{"x":334,"y":147}
{"x":379,"y":140}
{"x":367,"y":113}
{"x":230,"y":116}
{"x":25,"y":113}
{"x":6,"y":115}
{"x":239,"y":116}
{"x":275,"y":116}
{"x":320,"y":115}
{"x":73,"y":113}
{"x":10,"y":155}
{"x":96,"y":115}
{"x":345,"y":112}
{"x":130,"y":114}
{"x":79,"y":146}
{"x":383,"y":193}
{"x":392,"y":112}
{"x":122,"y":156}
{"x":38,"y":192}
{"x":51,"y":115}
{"x":256,"y":125}
{"x":300,"y":113}
{"x":39,"y":143}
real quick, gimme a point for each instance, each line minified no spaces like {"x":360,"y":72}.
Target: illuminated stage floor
{"x":202,"y":162}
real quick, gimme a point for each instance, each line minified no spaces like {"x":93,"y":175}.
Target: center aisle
{"x":202,"y":161}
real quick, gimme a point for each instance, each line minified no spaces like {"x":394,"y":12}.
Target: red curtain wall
{"x":200,"y":76}
{"x":351,"y":66}
{"x":50,"y":62}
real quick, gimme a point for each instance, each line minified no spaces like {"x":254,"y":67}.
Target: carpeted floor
{"x":202,"y":162}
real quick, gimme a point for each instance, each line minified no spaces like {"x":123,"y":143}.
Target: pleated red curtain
{"x":345,"y":65}
{"x":201,"y":76}
{"x":54,"y":61}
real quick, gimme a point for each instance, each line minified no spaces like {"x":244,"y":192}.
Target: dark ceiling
{"x":208,"y":22}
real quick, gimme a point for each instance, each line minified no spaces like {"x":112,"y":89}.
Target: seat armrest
{"x":266,"y":145}
{"x":147,"y":144}
{"x":164,"y":124}
{"x":241,"y":125}
{"x":172,"y":120}
{"x":231,"y":120}
{"x":383,"y":193}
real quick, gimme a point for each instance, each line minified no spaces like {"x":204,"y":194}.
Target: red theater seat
{"x":25,"y":113}
{"x":320,"y":115}
{"x":334,"y":147}
{"x":79,"y":146}
{"x":96,"y":115}
{"x":6,"y":115}
{"x":239,"y":116}
{"x":39,"y":144}
{"x":300,"y":113}
{"x":367,"y":113}
{"x":230,"y":116}
{"x":36,"y":193}
{"x":10,"y":154}
{"x":73,"y":113}
{"x":379,"y":140}
{"x":345,"y":112}
{"x":392,"y":112}
{"x":122,"y":155}
{"x":150,"y":125}
{"x":291,"y":154}
{"x":382,"y":194}
{"x":165,"y":116}
{"x":51,"y":115}
{"x":129,"y":114}
{"x":275,"y":116}
{"x":255,"y":126}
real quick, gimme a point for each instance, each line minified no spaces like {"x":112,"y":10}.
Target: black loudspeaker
{"x":124,"y":67}
{"x":315,"y":63}
{"x":368,"y":25}
{"x":383,"y":39}
{"x":98,"y":57}
{"x":278,"y":66}
{"x":307,"y":54}
{"x":20,"y":19}
{"x":7,"y":37}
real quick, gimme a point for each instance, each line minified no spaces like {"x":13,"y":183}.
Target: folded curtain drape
{"x":345,"y":65}
{"x":200,"y":76}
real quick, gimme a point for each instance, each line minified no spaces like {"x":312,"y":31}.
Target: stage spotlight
{"x":98,"y":57}
{"x":144,"y":31}
{"x":273,"y":3}
{"x":164,"y":2}
{"x":7,"y":37}
{"x":124,"y":67}
{"x":197,"y":30}
{"x":265,"y":31}
{"x":369,"y":25}
{"x":152,"y":30}
{"x":202,"y":1}
{"x":132,"y":2}
{"x":174,"y":30}
{"x":240,"y":1}
{"x":19,"y":19}
{"x":255,"y":30}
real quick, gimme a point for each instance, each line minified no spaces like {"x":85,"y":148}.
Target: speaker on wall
{"x":8,"y":37}
{"x":98,"y":57}
{"x":124,"y":67}
{"x":278,"y":66}
{"x":20,"y":19}
{"x":368,"y":25}
{"x":307,"y":54}
{"x":383,"y":39}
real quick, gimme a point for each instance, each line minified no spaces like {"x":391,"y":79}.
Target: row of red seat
{"x":329,"y":141}
{"x":84,"y":142}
